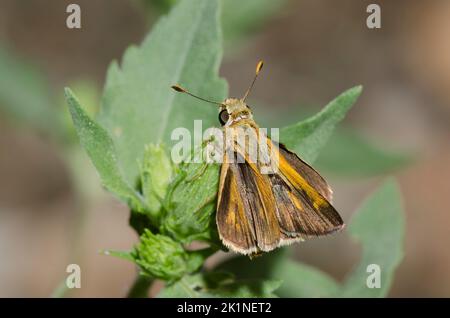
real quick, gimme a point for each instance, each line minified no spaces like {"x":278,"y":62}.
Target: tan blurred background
{"x":313,"y":49}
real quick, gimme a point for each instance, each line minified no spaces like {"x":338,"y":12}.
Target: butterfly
{"x":275,"y":200}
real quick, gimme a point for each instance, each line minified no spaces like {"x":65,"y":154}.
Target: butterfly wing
{"x":259,"y":212}
{"x":308,"y":172}
{"x":303,"y":200}
{"x":246,"y":210}
{"x":232,"y":218}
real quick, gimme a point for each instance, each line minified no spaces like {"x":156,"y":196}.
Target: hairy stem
{"x":140,"y":287}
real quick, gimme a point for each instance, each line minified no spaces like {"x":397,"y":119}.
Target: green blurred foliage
{"x":239,"y":19}
{"x":25,"y":95}
{"x":347,"y":153}
{"x":308,"y":137}
{"x":220,"y":284}
{"x":298,"y":280}
{"x":350,"y":154}
{"x":378,"y":225}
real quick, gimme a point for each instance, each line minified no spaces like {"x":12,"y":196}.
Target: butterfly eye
{"x":223,"y":117}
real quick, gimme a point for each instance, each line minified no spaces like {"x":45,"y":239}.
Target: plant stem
{"x":61,"y":290}
{"x":140,"y":287}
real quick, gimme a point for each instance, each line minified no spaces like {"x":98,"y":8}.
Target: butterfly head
{"x":232,"y":110}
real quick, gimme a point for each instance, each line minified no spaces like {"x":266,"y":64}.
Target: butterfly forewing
{"x":306,"y":171}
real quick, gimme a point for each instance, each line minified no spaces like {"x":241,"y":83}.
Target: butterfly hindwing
{"x":302,"y":198}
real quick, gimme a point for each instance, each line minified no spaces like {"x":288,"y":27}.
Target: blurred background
{"x":53,"y":211}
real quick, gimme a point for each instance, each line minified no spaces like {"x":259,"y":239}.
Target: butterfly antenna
{"x":180,"y":89}
{"x":258,"y":69}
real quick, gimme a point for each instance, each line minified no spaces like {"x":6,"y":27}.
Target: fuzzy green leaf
{"x":159,"y":256}
{"x":350,"y":154}
{"x":380,"y":227}
{"x":307,"y":138}
{"x":100,"y":148}
{"x":191,"y":203}
{"x":119,"y":254}
{"x":298,"y":280}
{"x":249,"y":288}
{"x":220,"y":284}
{"x":156,"y":173}
{"x":301,"y":280}
{"x":139,"y":107}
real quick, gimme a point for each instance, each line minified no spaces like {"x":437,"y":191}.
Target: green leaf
{"x":191,"y":203}
{"x":220,"y":284}
{"x":139,"y":107}
{"x":88,"y":92}
{"x":308,"y":137}
{"x":379,"y":226}
{"x":248,"y":288}
{"x":161,"y":257}
{"x":100,"y":148}
{"x":25,"y":95}
{"x":190,"y":286}
{"x":301,"y":280}
{"x":259,"y":267}
{"x":155,"y":177}
{"x":119,"y":254}
{"x":298,"y":280}
{"x":351,"y":155}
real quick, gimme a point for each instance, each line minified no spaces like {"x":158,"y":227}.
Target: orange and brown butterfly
{"x":258,"y":212}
